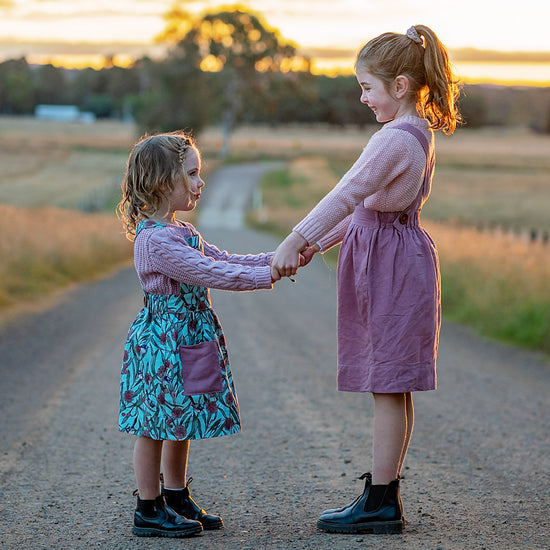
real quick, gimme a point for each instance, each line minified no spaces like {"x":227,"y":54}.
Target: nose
{"x":363,"y":98}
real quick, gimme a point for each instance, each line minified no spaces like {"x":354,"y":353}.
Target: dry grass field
{"x":66,"y":164}
{"x":47,"y":165}
{"x":483,"y":177}
{"x":46,"y":248}
{"x":495,"y":282}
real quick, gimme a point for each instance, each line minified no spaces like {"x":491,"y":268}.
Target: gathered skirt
{"x":389,"y":305}
{"x":176,"y":380}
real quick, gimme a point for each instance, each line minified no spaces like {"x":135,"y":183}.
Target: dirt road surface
{"x":477,"y":474}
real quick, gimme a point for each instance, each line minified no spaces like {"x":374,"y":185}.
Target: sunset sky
{"x":333,"y":28}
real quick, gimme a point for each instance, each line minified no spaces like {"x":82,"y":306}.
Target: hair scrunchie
{"x":412,"y":33}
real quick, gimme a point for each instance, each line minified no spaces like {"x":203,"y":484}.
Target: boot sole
{"x":373,"y":527}
{"x":212,"y":526}
{"x":152,"y":532}
{"x":327,"y":512}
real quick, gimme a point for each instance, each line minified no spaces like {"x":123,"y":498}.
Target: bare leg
{"x":174,"y":463}
{"x":390,"y":432}
{"x":147,"y":453}
{"x":409,"y":409}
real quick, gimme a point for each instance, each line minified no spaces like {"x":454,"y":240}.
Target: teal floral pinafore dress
{"x":176,"y":382}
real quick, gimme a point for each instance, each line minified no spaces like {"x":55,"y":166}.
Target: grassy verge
{"x":46,"y":248}
{"x":497,"y":284}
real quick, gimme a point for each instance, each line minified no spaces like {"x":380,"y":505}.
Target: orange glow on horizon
{"x":80,"y":62}
{"x":504,"y":74}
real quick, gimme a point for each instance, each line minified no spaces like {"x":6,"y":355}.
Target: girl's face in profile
{"x":181,"y":198}
{"x":375,"y":95}
{"x":386,"y":104}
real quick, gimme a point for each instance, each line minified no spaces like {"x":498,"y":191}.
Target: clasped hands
{"x":291,"y":254}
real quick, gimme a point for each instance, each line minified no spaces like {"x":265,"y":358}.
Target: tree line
{"x":227,"y":68}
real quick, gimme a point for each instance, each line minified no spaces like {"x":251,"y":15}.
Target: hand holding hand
{"x":274,"y":275}
{"x":287,"y":257}
{"x":308,"y":253}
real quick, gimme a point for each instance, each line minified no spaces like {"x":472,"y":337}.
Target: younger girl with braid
{"x":176,"y":382}
{"x":388,"y":272}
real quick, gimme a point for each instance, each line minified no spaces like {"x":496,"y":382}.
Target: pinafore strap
{"x":414,"y":208}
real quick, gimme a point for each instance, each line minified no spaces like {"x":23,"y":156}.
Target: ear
{"x":401,"y":86}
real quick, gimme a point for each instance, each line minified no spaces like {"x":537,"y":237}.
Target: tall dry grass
{"x":45,"y":248}
{"x":66,"y":164}
{"x":496,"y":283}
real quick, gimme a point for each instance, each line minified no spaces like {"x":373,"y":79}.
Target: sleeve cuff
{"x":309,"y":229}
{"x":263,"y":277}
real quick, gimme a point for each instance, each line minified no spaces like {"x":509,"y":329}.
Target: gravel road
{"x":477,"y":474}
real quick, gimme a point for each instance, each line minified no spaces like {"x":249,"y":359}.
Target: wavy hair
{"x":422,"y":58}
{"x":153,"y":168}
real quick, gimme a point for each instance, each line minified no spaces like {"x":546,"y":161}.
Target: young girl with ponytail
{"x":388,"y":271}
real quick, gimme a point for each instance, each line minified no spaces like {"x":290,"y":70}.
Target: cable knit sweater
{"x":386,"y":177}
{"x":163,"y":259}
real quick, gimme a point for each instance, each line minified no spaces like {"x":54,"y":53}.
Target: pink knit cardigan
{"x":163,"y":259}
{"x":386,"y":177}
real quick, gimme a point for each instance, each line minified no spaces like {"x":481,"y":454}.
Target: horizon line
{"x":57,"y":47}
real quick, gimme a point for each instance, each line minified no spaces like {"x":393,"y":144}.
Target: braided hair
{"x":154,"y":166}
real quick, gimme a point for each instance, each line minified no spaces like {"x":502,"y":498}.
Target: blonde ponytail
{"x":439,"y":101}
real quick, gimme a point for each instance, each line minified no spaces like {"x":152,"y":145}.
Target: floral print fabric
{"x":153,"y":400}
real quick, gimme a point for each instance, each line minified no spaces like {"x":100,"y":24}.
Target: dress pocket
{"x":200,"y":368}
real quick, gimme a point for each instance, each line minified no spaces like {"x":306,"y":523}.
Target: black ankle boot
{"x":182,"y":503}
{"x":153,"y":518}
{"x":368,"y":481}
{"x":378,"y":510}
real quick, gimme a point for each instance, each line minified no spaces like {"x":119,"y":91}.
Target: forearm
{"x":214,"y":252}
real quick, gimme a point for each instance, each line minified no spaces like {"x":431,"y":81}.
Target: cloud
{"x":10,"y":49}
{"x":473,"y":55}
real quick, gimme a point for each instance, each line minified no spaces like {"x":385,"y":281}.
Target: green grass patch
{"x":497,"y":305}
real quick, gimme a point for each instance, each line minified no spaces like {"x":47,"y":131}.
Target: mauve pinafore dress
{"x":389,"y":307}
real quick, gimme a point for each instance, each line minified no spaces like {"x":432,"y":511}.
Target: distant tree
{"x":339,"y":102}
{"x":85,"y":83}
{"x":104,"y":91}
{"x":546,"y":128}
{"x":174,"y":93}
{"x":17,"y":87}
{"x":240,"y":50}
{"x":473,"y":106}
{"x":283,"y":98}
{"x":102,"y":105}
{"x":121,"y":85}
{"x":51,"y":85}
{"x":178,"y":22}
